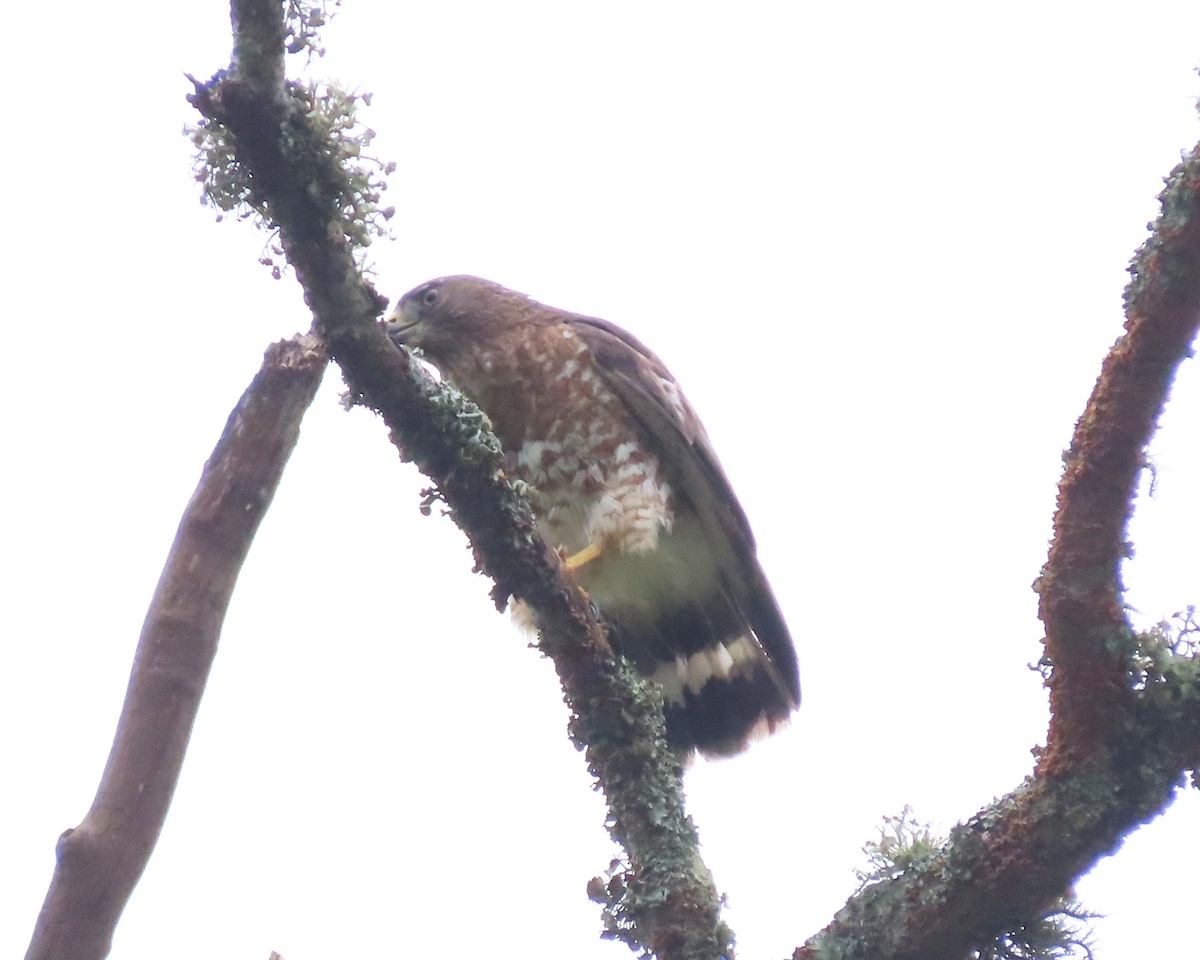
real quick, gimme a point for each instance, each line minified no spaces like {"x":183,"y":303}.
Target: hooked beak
{"x":401,"y":325}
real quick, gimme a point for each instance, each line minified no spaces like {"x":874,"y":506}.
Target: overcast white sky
{"x":882,"y":246}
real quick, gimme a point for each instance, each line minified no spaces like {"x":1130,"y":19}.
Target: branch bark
{"x":1087,"y":632}
{"x":100,"y":861}
{"x":1125,"y":708}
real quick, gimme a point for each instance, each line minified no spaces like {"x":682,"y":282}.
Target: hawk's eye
{"x":430,"y":296}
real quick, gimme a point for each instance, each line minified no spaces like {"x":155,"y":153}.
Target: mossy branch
{"x":291,"y":169}
{"x":1125,"y":707}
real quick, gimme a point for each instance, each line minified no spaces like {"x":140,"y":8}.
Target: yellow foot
{"x":583,"y":557}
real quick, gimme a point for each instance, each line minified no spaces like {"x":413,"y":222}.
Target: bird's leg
{"x":585,"y":556}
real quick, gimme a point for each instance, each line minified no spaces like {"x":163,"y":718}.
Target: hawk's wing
{"x":637,"y":376}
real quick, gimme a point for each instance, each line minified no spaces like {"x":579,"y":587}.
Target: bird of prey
{"x":627,"y":486}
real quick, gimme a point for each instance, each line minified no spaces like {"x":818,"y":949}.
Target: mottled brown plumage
{"x":622,"y":468}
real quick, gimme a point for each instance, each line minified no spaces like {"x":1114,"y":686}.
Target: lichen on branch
{"x":321,"y":133}
{"x":288,"y":163}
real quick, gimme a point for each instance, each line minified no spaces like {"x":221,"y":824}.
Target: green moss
{"x":642,"y":902}
{"x":458,"y":415}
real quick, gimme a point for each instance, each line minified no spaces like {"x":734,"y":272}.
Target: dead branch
{"x":100,"y":861}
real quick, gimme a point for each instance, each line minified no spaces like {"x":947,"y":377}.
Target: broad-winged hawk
{"x":626,"y":484}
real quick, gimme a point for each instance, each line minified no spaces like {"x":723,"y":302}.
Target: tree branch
{"x":1125,"y":707}
{"x":666,"y":901}
{"x":1088,"y":637}
{"x":100,"y":861}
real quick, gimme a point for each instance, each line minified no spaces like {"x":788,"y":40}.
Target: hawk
{"x":627,"y":486}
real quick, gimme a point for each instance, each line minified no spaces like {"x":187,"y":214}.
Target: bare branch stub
{"x":100,"y":861}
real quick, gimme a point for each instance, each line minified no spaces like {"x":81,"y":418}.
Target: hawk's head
{"x":440,"y":315}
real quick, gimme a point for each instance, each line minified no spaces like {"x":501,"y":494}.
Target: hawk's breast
{"x":565,"y":432}
{"x":677,"y":594}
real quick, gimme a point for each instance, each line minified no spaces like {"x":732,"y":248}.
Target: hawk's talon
{"x":585,"y":556}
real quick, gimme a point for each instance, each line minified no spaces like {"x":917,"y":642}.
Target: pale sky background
{"x":882,"y":247}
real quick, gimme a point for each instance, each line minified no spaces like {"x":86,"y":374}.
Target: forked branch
{"x":1125,"y":707}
